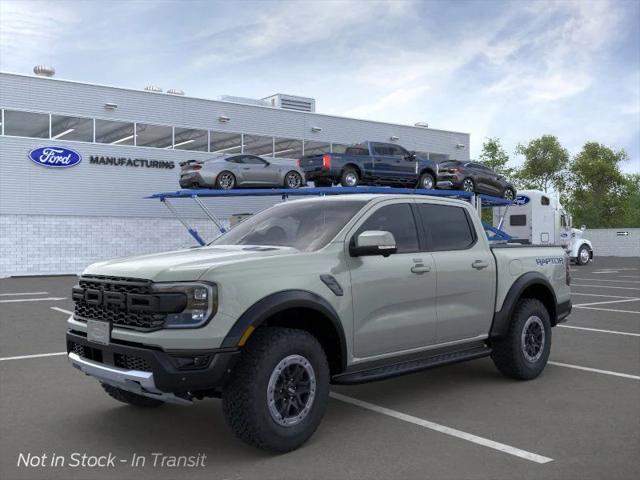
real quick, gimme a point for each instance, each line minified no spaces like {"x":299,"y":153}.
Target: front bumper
{"x":151,"y":372}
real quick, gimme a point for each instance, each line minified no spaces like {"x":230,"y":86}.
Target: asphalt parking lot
{"x":579,"y":419}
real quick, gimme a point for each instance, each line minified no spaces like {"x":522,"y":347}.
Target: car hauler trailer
{"x":478,"y":201}
{"x":536,"y":218}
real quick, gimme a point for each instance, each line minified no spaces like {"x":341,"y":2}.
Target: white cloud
{"x":30,"y":30}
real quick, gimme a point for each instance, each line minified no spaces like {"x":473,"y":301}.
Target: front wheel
{"x":583,"y":255}
{"x":293,"y":180}
{"x":523,"y":353}
{"x":426,"y":181}
{"x":279,"y":391}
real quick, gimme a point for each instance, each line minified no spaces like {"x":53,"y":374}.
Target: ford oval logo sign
{"x":522,"y":200}
{"x":55,"y":157}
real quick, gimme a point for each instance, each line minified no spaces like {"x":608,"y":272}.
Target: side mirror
{"x":411,"y":156}
{"x":373,"y":242}
{"x":583,"y":228}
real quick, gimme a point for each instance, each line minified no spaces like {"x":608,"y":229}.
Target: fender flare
{"x":502,"y":318}
{"x":278,"y":302}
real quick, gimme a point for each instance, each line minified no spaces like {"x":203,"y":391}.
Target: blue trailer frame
{"x":478,"y":200}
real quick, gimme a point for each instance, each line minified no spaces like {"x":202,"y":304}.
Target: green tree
{"x":631,"y":215}
{"x":495,"y":157}
{"x":600,"y":193}
{"x":545,"y":164}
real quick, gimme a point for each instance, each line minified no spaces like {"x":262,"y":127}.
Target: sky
{"x":508,"y":69}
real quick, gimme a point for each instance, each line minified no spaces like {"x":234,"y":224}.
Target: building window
{"x":26,"y":124}
{"x":157,"y":136}
{"x":71,"y":128}
{"x":258,"y":145}
{"x":190,"y":139}
{"x":114,"y":132}
{"x":222,"y":142}
{"x":287,"y":148}
{"x":316,"y":148}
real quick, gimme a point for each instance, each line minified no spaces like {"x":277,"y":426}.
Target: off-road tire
{"x":423,"y":179}
{"x":244,"y":400}
{"x":130,"y":397}
{"x":344,"y":178}
{"x":508,"y":353}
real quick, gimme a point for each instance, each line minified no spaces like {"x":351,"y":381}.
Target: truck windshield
{"x":306,"y":225}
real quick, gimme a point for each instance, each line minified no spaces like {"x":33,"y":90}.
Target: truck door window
{"x":397,"y":219}
{"x":381,"y":149}
{"x":518,"y":220}
{"x":448,"y":227}
{"x":563,"y":221}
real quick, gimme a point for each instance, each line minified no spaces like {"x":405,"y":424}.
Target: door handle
{"x":420,"y":269}
{"x":479,"y":264}
{"x":246,"y":168}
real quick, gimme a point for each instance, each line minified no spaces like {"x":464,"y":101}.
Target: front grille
{"x":131,"y":362}
{"x":89,"y":353}
{"x":115,"y":314}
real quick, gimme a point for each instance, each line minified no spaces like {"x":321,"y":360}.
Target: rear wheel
{"x":468,"y":185}
{"x":349,"y":178}
{"x":225,"y":180}
{"x":279,"y":391}
{"x":426,"y":181}
{"x":130,"y":397}
{"x":293,"y":180}
{"x":523,"y":353}
{"x":583,"y":255}
{"x":509,"y":194}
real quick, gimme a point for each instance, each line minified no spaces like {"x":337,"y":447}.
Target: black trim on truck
{"x":502,"y":318}
{"x":278,"y":302}
{"x":174,"y":371}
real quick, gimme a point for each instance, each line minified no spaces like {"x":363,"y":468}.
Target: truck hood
{"x":182,"y":265}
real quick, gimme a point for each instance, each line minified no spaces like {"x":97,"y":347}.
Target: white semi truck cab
{"x":537,"y":218}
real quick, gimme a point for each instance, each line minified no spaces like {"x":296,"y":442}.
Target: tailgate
{"x":312,"y":163}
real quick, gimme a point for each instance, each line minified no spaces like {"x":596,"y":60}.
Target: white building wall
{"x":611,"y":242}
{"x":66,"y":244}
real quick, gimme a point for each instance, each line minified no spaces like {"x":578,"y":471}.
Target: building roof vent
{"x":175,"y":91}
{"x":292,"y":102}
{"x":153,"y":88}
{"x":44,"y":71}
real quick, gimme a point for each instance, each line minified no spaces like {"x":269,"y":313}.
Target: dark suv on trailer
{"x":474,"y":177}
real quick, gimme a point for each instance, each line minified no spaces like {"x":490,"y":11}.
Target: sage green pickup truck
{"x":331,"y":290}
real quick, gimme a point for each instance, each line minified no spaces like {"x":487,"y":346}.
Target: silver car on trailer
{"x":241,"y":170}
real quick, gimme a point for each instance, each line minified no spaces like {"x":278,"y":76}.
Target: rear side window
{"x":518,"y":220}
{"x":356,"y":151}
{"x":397,"y":219}
{"x":448,"y":227}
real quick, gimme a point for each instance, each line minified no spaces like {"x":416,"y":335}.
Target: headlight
{"x":202,"y":303}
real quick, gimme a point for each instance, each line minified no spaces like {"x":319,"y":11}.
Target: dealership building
{"x":127,"y":144}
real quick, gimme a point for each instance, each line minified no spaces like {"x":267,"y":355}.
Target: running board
{"x":410,"y":366}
